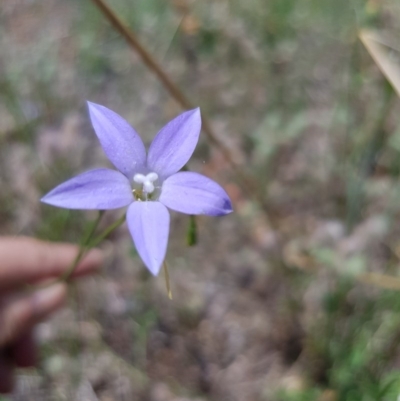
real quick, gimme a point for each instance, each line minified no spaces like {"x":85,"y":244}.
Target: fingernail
{"x":49,"y":299}
{"x":108,"y":249}
{"x":94,"y":258}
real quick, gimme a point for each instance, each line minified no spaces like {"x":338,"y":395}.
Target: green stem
{"x":88,"y":244}
{"x":85,"y":246}
{"x":107,"y":232}
{"x":191,"y":236}
{"x":82,"y":249}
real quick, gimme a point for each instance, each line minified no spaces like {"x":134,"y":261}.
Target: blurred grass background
{"x":299,"y":304}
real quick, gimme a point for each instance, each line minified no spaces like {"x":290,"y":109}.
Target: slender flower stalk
{"x":87,"y":244}
{"x":82,"y":249}
{"x":90,"y":243}
{"x":191,"y":235}
{"x":107,"y":231}
{"x":147,"y":183}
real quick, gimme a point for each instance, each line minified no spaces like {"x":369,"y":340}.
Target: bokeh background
{"x":292,"y":300}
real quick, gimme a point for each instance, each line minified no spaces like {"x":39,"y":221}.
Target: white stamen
{"x":139,"y":178}
{"x":148,"y":187}
{"x":152,"y":177}
{"x":147,"y":181}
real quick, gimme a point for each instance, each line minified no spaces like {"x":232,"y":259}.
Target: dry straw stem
{"x":380,"y":280}
{"x":246,"y":182}
{"x":309,"y":264}
{"x":379,"y":51}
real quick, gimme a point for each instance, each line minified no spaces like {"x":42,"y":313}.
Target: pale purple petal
{"x":120,"y":141}
{"x":99,"y":189}
{"x":175,"y":143}
{"x":148,"y":224}
{"x":193,"y":193}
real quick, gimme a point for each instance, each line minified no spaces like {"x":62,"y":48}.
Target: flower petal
{"x":120,"y":141}
{"x":100,"y":189}
{"x":175,"y":143}
{"x":148,"y":224}
{"x":193,"y":193}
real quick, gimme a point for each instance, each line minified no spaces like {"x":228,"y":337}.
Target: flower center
{"x":147,"y":183}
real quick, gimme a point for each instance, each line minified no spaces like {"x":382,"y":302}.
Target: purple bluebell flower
{"x":146,"y":184}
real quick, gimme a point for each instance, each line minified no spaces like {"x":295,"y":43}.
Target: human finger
{"x":19,"y":315}
{"x":6,"y":374}
{"x":24,"y":351}
{"x":27,"y":260}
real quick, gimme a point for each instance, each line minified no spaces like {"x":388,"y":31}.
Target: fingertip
{"x":21,"y":314}
{"x":28,"y":260}
{"x":47,"y":300}
{"x":91,"y":262}
{"x":95,"y":256}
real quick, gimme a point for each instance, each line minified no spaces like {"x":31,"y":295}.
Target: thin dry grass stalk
{"x":246,"y":182}
{"x":380,"y":280}
{"x":378,"y":50}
